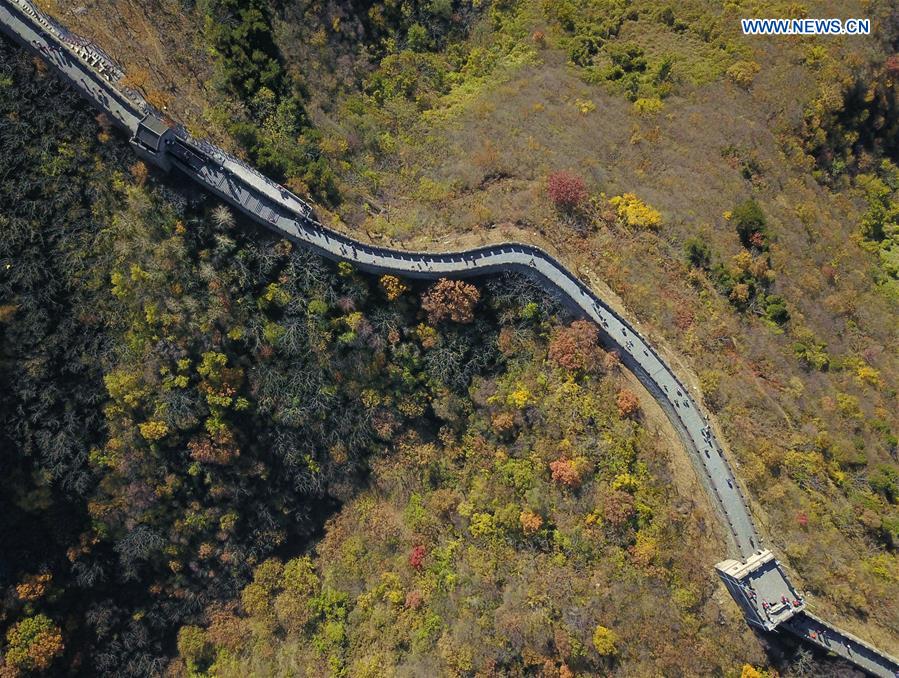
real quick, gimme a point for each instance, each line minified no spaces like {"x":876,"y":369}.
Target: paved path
{"x":90,"y":71}
{"x":277,"y":209}
{"x":831,"y":639}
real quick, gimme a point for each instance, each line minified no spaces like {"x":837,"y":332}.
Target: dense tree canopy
{"x":222,"y":453}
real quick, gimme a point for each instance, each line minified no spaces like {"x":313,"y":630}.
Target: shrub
{"x":636,"y":213}
{"x":776,"y":309}
{"x":193,"y":645}
{"x":605,"y":641}
{"x":417,"y":557}
{"x":299,"y":576}
{"x":519,"y":398}
{"x":699,"y":254}
{"x":811,"y":352}
{"x":530,"y":523}
{"x":739,"y":295}
{"x":247,"y":57}
{"x":417,"y":38}
{"x":885,"y":480}
{"x":154,"y":430}
{"x":618,"y":508}
{"x":750,"y":671}
{"x":742,"y":73}
{"x":566,"y":190}
{"x":626,"y":58}
{"x":648,"y":106}
{"x":627,"y":403}
{"x":503,"y":422}
{"x":749,"y":221}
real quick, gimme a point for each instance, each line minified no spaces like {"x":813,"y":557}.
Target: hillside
{"x":736,"y":195}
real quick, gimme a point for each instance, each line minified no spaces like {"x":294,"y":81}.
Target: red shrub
{"x":566,"y":190}
{"x":414,"y":600}
{"x":757,"y":239}
{"x":417,"y":557}
{"x":618,"y":509}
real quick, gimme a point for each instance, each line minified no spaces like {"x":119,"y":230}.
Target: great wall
{"x":757,"y":581}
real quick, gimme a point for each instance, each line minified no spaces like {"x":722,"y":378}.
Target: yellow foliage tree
{"x":393,"y":287}
{"x":750,"y":671}
{"x":636,"y":213}
{"x":605,"y":641}
{"x":742,"y":73}
{"x":154,"y":430}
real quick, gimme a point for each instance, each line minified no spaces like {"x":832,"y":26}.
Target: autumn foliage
{"x":33,"y":644}
{"x":618,"y":508}
{"x":575,"y":347}
{"x":33,"y":587}
{"x":220,"y":450}
{"x":393,"y":287}
{"x":417,"y":557}
{"x":566,"y":472}
{"x":627,"y":403}
{"x":452,"y":299}
{"x":605,"y":641}
{"x":530,"y":523}
{"x":566,"y":190}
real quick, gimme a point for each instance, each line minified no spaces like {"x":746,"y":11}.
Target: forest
{"x":220,"y":449}
{"x":226,"y":456}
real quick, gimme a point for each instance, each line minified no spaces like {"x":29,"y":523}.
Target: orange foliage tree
{"x":393,"y":287}
{"x":627,"y":403}
{"x":566,"y":472}
{"x":33,"y":587}
{"x":530,"y":523}
{"x":574,"y":347}
{"x":451,"y":299}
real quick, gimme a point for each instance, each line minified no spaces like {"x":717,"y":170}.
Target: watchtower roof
{"x":151,"y":131}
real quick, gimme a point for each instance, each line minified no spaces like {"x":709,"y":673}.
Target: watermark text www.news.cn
{"x":806,"y":26}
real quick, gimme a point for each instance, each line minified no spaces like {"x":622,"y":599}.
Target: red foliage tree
{"x":575,"y":347}
{"x":451,"y":299}
{"x":417,"y":557}
{"x":566,"y":190}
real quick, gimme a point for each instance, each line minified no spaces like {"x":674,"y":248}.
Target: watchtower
{"x":149,"y":140}
{"x":761,"y":588}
